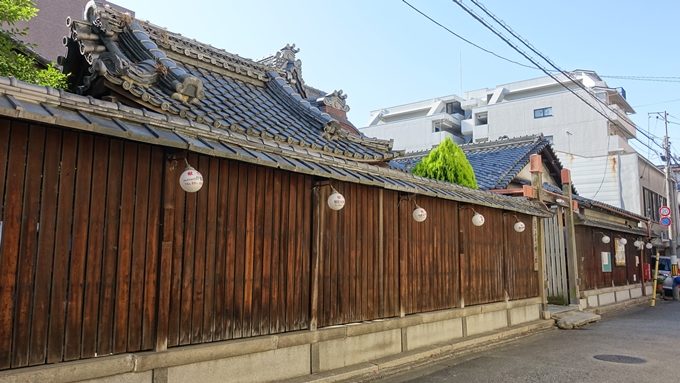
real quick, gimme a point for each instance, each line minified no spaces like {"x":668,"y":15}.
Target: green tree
{"x":14,"y":60}
{"x":447,"y":162}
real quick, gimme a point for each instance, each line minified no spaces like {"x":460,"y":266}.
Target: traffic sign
{"x":665,"y":221}
{"x":665,"y":211}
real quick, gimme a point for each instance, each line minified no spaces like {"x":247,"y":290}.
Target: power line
{"x":546,"y":59}
{"x":537,"y":66}
{"x":464,"y":39}
{"x":620,"y":77}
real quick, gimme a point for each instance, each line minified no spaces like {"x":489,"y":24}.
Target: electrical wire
{"x":464,"y":39}
{"x":546,"y":59}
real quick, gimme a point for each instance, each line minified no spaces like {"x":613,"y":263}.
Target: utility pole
{"x":670,"y":197}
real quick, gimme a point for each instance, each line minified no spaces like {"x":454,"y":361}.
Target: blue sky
{"x":382,"y":53}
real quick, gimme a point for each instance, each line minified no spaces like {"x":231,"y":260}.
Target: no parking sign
{"x":665,"y":213}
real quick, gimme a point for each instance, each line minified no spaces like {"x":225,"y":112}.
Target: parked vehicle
{"x":668,"y":286}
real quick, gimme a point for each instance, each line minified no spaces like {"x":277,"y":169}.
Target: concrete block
{"x":428,"y":334}
{"x":339,"y":353}
{"x":607,"y":298}
{"x":622,"y":295}
{"x":636,"y":292}
{"x":592,"y":301}
{"x":138,"y":377}
{"x":649,"y":289}
{"x":485,"y":322}
{"x":524,"y":314}
{"x":268,"y":366}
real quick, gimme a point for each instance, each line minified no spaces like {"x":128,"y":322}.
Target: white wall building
{"x":604,"y":165}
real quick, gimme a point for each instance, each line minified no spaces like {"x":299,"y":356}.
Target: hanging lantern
{"x":477,"y":219}
{"x":606,"y":239}
{"x":519,"y":226}
{"x":191,"y":179}
{"x":639,"y":244}
{"x":623,"y":241}
{"x":336,"y":201}
{"x":419,"y":214}
{"x":649,"y":246}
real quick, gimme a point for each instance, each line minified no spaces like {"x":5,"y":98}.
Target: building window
{"x":652,"y":202}
{"x":453,"y":107}
{"x":543,"y":112}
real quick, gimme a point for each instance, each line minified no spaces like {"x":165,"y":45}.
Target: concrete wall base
{"x":297,"y":354}
{"x":612,"y":295}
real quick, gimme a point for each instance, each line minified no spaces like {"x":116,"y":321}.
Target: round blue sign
{"x":666,"y":221}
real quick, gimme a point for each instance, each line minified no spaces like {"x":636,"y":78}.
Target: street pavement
{"x":651,"y":334}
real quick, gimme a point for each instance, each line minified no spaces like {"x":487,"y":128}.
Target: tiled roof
{"x":497,"y":163}
{"x":591,"y":203}
{"x":171,"y":74}
{"x":59,"y":108}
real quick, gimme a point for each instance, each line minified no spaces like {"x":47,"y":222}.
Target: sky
{"x":382,"y":53}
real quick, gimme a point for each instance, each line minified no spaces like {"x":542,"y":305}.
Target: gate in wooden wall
{"x":556,"y":258}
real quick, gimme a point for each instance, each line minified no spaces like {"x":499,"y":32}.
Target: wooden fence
{"x":102,"y":253}
{"x":591,"y":249}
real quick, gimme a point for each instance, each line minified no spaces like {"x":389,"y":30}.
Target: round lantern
{"x":639,"y":244}
{"x":649,"y":246}
{"x":477,"y":219}
{"x":336,"y":201}
{"x":519,"y":226}
{"x":191,"y":180}
{"x":606,"y":239}
{"x":419,"y":214}
{"x":623,"y":241}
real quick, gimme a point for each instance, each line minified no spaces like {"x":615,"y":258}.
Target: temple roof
{"x":497,"y":163}
{"x":59,"y":108}
{"x":112,"y":55}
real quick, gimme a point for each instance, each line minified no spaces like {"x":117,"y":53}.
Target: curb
{"x":411,"y":359}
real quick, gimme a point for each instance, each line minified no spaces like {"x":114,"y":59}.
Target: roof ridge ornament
{"x":337,"y":99}
{"x":129,"y":56}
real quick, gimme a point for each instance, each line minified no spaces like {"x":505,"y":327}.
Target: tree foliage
{"x":13,"y":59}
{"x":447,"y":162}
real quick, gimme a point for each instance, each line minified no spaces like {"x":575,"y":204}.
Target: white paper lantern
{"x":623,"y":241}
{"x":477,"y":219}
{"x":606,"y":239}
{"x":649,"y":245}
{"x":336,"y":201}
{"x":191,"y":180}
{"x":639,"y":244}
{"x":519,"y":226}
{"x":419,"y":214}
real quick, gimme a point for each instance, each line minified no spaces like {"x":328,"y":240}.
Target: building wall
{"x":410,"y":135}
{"x":587,"y":129}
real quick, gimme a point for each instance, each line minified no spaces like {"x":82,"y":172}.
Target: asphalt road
{"x":652,"y":334}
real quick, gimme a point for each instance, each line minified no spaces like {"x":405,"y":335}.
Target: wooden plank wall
{"x":102,"y":253}
{"x":430,"y":270}
{"x":79,"y":245}
{"x":555,"y":256}
{"x":239,"y":265}
{"x":521,"y":278}
{"x":482,"y":274}
{"x":358,"y":266}
{"x":590,"y":246}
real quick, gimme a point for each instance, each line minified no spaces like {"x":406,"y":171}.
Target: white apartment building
{"x":604,"y":165}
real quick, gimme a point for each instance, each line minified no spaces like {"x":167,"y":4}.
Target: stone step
{"x":574,"y":319}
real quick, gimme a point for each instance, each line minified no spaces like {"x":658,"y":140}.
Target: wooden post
{"x":572,"y":252}
{"x":165,"y":263}
{"x":317,"y":248}
{"x":536,"y":169}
